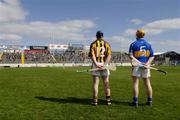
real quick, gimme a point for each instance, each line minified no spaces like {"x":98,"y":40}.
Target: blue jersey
{"x":141,"y":50}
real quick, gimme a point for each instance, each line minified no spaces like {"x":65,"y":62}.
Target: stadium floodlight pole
{"x":121,"y":52}
{"x":22,"y":56}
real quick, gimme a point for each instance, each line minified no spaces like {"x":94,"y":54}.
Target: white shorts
{"x":141,"y":72}
{"x":100,"y":72}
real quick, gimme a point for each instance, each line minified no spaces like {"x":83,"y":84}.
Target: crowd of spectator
{"x":10,"y":58}
{"x":76,"y":55}
{"x":69,"y":56}
{"x":29,"y":58}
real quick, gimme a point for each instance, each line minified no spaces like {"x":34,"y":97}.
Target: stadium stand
{"x":167,"y":58}
{"x":75,"y":54}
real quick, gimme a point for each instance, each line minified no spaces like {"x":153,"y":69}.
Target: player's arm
{"x":149,"y":61}
{"x":151,"y":57}
{"x":93,"y":56}
{"x":108,"y":59}
{"x":94,"y":59}
{"x":109,"y":52}
{"x":133,"y":59}
{"x":96,"y":63}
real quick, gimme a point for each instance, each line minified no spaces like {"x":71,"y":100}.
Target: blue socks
{"x":149,"y":99}
{"x":135,"y":99}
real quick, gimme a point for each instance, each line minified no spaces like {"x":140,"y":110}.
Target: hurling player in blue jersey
{"x":141,"y":52}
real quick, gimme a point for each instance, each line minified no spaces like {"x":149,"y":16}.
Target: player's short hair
{"x":140,"y":33}
{"x":99,"y":34}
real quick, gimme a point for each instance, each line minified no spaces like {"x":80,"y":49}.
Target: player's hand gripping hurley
{"x":109,"y":67}
{"x":136,"y":63}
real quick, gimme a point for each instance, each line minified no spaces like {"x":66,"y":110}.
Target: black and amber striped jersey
{"x":100,"y":49}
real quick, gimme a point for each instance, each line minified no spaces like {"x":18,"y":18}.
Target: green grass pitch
{"x":63,"y":94}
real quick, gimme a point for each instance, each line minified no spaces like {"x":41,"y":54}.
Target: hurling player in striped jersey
{"x":100,"y":53}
